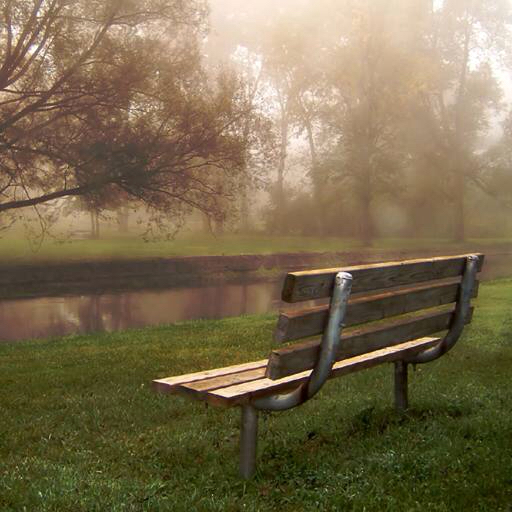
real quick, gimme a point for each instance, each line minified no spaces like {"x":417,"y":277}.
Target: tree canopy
{"x":158,"y":103}
{"x":106,"y":98}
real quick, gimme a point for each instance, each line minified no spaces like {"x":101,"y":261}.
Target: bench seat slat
{"x":318,"y":284}
{"x":303,"y":356}
{"x":294,"y":325}
{"x":243,"y":393}
{"x":167,"y":385}
{"x":228,"y":380}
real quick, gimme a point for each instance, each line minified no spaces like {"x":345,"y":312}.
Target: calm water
{"x":48,"y":317}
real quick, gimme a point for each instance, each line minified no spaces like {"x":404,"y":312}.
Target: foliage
{"x":369,"y":79}
{"x":394,"y":101}
{"x":109,"y":100}
{"x":137,"y":103}
{"x":461,"y":45}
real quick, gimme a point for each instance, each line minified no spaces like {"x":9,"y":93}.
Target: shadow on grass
{"x":374,"y":421}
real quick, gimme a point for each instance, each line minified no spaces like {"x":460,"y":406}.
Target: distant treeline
{"x":353,"y":117}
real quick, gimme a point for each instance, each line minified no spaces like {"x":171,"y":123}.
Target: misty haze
{"x":177,"y":175}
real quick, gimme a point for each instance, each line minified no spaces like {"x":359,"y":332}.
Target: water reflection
{"x":48,"y":317}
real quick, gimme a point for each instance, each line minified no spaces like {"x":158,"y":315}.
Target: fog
{"x":396,"y":114}
{"x":354,"y":119}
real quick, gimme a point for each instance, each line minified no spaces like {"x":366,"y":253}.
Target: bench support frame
{"x":461,"y":312}
{"x":320,"y":374}
{"x":401,"y":381}
{"x":248,"y":441}
{"x":327,"y":358}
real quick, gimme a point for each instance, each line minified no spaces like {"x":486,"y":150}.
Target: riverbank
{"x":85,"y":431}
{"x":15,"y":249}
{"x":57,"y":279}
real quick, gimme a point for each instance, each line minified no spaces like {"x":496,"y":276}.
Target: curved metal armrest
{"x":460,"y":316}
{"x":328,"y":351}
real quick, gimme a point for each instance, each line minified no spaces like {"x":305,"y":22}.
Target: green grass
{"x":82,"y":430}
{"x":17,"y":249}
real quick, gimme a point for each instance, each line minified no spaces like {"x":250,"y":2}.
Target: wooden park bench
{"x":397,"y":308}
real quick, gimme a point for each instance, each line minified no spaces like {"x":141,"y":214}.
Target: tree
{"x":297,"y":51}
{"x":458,"y":42}
{"x":235,"y":40}
{"x":255,"y":129}
{"x":285,"y":46}
{"x":369,"y":93}
{"x":106,"y":98}
{"x":494,"y":174}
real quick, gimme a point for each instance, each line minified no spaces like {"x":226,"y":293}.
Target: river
{"x":24,"y":319}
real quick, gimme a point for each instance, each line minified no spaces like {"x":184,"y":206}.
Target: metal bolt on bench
{"x":359,"y":296}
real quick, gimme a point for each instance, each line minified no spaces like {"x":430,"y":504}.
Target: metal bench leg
{"x":401,"y":401}
{"x":248,"y":441}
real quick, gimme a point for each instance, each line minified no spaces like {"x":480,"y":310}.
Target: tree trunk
{"x":315,"y":180}
{"x":122,"y":219}
{"x":459,"y":233}
{"x":207,"y":225}
{"x":95,"y":225}
{"x":280,"y":198}
{"x":245,"y":221}
{"x":366,"y":228}
{"x":219,"y":226}
{"x":459,"y":228}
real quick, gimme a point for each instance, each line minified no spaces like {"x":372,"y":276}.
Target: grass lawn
{"x":15,"y":248}
{"x":82,"y":430}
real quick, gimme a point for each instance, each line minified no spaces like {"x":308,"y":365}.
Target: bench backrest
{"x":412,"y":299}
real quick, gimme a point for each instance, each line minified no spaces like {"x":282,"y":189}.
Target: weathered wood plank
{"x":318,"y":284}
{"x":169,"y":384}
{"x":226,"y":381}
{"x":244,"y":393}
{"x":294,"y":325}
{"x":301,"y":357}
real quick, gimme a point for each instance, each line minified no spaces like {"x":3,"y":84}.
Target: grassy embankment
{"x":82,"y":430}
{"x":17,"y":249}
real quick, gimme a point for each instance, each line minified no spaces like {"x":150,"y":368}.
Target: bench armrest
{"x":328,"y":350}
{"x":462,"y":310}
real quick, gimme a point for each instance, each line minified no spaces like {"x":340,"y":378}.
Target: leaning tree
{"x":106,"y":99}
